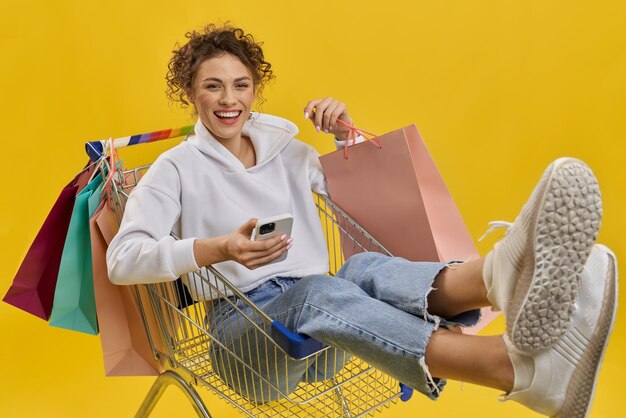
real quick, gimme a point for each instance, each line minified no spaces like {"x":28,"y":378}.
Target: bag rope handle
{"x":112,"y":167}
{"x":353,"y":132}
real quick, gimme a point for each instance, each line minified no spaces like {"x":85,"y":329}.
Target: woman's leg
{"x":458,"y":288}
{"x":367,"y":302}
{"x":468,"y":358}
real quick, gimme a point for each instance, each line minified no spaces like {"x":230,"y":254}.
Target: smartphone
{"x":271,"y":227}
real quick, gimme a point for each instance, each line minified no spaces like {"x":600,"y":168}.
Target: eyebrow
{"x":221,"y":81}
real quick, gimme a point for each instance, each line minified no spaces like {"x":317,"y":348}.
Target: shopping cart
{"x":188,"y":337}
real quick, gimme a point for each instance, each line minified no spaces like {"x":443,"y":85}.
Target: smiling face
{"x":223,"y":92}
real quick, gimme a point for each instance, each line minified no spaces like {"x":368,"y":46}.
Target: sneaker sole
{"x":582,"y":386}
{"x":566,"y":224}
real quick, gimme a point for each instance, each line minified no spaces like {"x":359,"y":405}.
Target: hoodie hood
{"x":269,"y":135}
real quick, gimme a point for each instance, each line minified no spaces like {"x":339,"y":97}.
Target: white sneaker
{"x":560,"y":381}
{"x":533,"y":274}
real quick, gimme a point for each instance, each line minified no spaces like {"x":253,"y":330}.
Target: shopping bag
{"x":396,"y":193}
{"x":125,"y":346}
{"x":34,"y":284}
{"x":74,"y":305}
{"x":124,"y":326}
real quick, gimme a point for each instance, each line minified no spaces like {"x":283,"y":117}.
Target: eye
{"x":242,"y":85}
{"x":212,"y":86}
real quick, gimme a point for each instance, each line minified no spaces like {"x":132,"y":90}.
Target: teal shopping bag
{"x":74,"y":305}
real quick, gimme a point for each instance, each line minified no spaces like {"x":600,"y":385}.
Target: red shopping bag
{"x":34,"y":284}
{"x":396,"y":193}
{"x":125,"y":345}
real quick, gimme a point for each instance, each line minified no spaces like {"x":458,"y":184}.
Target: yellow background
{"x":497,"y":88}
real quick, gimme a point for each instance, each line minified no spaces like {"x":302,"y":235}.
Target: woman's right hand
{"x":324,"y":114}
{"x":238,"y":247}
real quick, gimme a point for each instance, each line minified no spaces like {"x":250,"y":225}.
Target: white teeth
{"x":227,"y":114}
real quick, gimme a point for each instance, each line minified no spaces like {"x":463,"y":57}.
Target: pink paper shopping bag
{"x":396,"y":193}
{"x":125,"y":345}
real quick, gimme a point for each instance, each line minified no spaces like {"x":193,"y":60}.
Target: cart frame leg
{"x":161,"y":383}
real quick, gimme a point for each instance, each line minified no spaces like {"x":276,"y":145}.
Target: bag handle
{"x":114,"y":159}
{"x":353,"y":132}
{"x":97,"y":149}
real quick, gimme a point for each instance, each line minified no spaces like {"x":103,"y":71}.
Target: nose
{"x":228,"y":97}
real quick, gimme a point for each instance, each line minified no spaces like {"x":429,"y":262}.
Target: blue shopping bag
{"x":74,"y":305}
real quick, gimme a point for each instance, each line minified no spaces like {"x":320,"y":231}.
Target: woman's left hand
{"x":324,"y":114}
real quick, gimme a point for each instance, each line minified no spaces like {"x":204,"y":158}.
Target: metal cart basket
{"x":187,"y":337}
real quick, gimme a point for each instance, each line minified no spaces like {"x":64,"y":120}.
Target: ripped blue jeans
{"x":374,"y":308}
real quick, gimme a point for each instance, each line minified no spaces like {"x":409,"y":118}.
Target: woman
{"x":392,"y":313}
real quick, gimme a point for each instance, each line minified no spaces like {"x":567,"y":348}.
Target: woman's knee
{"x":359,"y":263}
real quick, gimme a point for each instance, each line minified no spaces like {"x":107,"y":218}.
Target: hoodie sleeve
{"x":316,"y":174}
{"x":143,"y":250}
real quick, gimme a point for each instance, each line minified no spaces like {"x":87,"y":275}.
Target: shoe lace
{"x":493,"y":225}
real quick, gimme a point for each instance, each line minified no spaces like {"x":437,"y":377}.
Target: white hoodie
{"x":199,"y":189}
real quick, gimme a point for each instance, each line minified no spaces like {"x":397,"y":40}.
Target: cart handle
{"x":97,"y":149}
{"x":298,"y":346}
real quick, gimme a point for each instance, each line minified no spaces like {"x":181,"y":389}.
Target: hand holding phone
{"x":271,"y":227}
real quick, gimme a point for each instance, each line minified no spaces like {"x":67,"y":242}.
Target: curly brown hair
{"x":213,"y":41}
